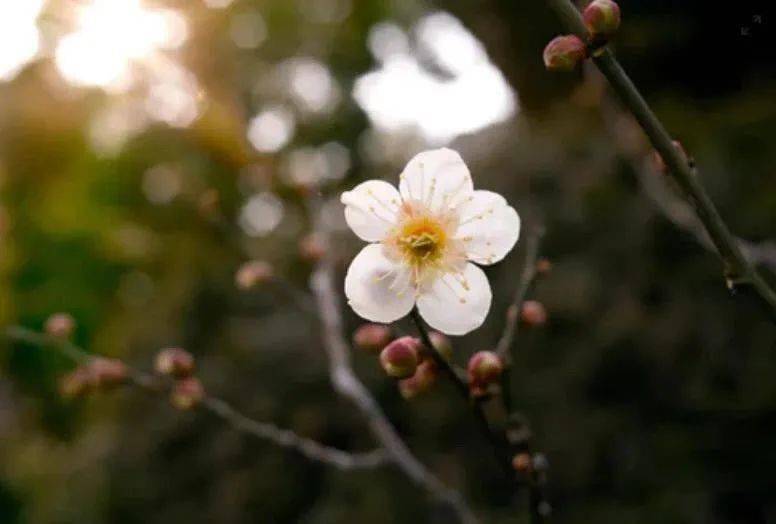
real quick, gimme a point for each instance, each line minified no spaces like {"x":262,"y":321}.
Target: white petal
{"x":370,"y":209}
{"x":437,"y":178}
{"x":489,"y":227}
{"x":378,"y":289}
{"x":450,"y":307}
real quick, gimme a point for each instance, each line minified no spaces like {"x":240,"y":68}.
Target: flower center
{"x":422,"y":240}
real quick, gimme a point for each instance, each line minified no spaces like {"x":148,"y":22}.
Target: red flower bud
{"x":543,"y":266}
{"x":60,"y":325}
{"x":533,"y":313}
{"x":602,"y":18}
{"x":176,"y":362}
{"x":400,"y":358}
{"x":76,"y":384}
{"x":564,"y":53}
{"x":108,"y":373}
{"x":312,"y":247}
{"x":187,"y":393}
{"x":372,"y":337}
{"x":97,"y":374}
{"x":422,"y":381}
{"x":522,"y":463}
{"x":253,"y":273}
{"x":485,"y":368}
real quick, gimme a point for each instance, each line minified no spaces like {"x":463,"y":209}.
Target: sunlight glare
{"x":113,"y":35}
{"x":21,"y":38}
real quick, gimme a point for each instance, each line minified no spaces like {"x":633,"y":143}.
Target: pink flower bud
{"x":312,"y":247}
{"x":442,"y":344}
{"x":187,"y":393}
{"x":176,"y":362}
{"x":78,"y":383}
{"x":485,"y":368}
{"x":543,"y":266}
{"x":522,"y":463}
{"x":564,"y":53}
{"x":372,"y":337}
{"x":400,"y":358}
{"x":107,"y":373}
{"x":533,"y":313}
{"x":252,"y":274}
{"x":60,"y":325}
{"x":98,"y":374}
{"x":422,"y":381}
{"x":602,"y":18}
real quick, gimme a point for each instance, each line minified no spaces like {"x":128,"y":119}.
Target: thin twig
{"x":264,"y":430}
{"x":345,"y":382}
{"x":739,"y":272}
{"x":527,"y":277}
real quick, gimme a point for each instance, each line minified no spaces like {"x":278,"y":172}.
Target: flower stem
{"x":499,"y":445}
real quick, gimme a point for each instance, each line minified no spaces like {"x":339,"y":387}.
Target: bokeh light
{"x":467,"y":94}
{"x":113,"y":36}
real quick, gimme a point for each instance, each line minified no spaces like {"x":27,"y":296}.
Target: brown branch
{"x":740,"y":274}
{"x":263,"y":430}
{"x":346,"y":383}
{"x":674,"y":208}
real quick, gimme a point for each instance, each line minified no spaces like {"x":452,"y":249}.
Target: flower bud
{"x":485,"y":368}
{"x":422,"y":381}
{"x":60,"y":325}
{"x":400,"y":358}
{"x":372,"y":337}
{"x":97,"y":374}
{"x":253,"y":273}
{"x":602,"y":18}
{"x":312,"y":247}
{"x":76,"y":384}
{"x":107,"y":373}
{"x":564,"y":53}
{"x":176,"y":362}
{"x":442,"y":344}
{"x":543,"y":266}
{"x":187,"y":393}
{"x":661,"y":165}
{"x":522,"y":463}
{"x":533,"y":313}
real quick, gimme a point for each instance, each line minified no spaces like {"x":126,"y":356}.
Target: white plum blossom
{"x":424,"y":240}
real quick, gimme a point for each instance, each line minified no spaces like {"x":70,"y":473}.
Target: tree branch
{"x":347,"y":384}
{"x":263,"y":430}
{"x":740,"y":274}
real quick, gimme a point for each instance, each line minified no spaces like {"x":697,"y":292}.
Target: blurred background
{"x":147,"y":148}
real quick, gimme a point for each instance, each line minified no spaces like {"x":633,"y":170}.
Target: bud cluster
{"x":187,"y":390}
{"x":404,"y":358}
{"x":484,"y":369}
{"x":566,"y":52}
